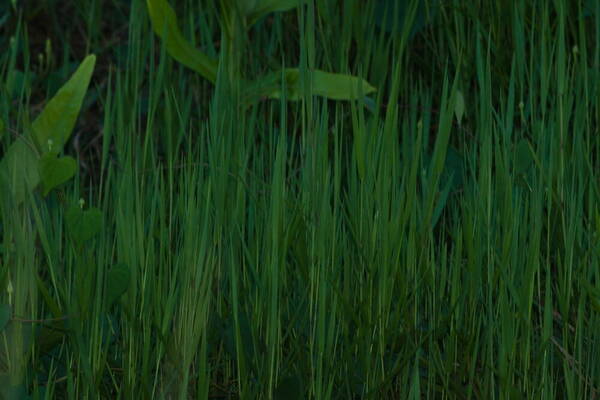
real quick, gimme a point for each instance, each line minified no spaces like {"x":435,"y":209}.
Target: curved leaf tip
{"x":164,"y":24}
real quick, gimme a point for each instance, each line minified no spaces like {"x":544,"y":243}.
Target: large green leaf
{"x":325,"y":84}
{"x":264,"y":7}
{"x":57,"y":120}
{"x":52,"y":128}
{"x":164,"y":24}
{"x":339,"y":86}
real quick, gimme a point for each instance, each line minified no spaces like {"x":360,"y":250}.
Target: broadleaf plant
{"x":20,"y":168}
{"x":55,"y":170}
{"x":52,"y":128}
{"x":326,"y":84}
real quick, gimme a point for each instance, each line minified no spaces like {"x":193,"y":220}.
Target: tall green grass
{"x":313,"y":249}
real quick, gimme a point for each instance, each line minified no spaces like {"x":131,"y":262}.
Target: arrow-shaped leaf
{"x":52,"y":128}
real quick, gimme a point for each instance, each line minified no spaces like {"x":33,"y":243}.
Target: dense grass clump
{"x":266,"y":235}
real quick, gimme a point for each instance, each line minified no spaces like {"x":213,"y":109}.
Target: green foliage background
{"x":438,"y":238}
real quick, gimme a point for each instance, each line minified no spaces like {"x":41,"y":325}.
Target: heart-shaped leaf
{"x":55,"y":171}
{"x":4,"y":315}
{"x":83,"y":225}
{"x":117,"y":283}
{"x":164,"y":24}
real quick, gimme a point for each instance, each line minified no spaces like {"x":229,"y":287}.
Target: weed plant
{"x":439,"y":239}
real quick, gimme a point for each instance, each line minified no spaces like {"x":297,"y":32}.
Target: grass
{"x":311,"y":249}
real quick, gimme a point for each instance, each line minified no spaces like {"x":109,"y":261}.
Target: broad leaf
{"x":325,"y":84}
{"x":83,"y":225}
{"x":55,"y":171}
{"x":52,"y":128}
{"x":164,"y":24}
{"x":339,"y":86}
{"x":19,"y":167}
{"x":117,"y":283}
